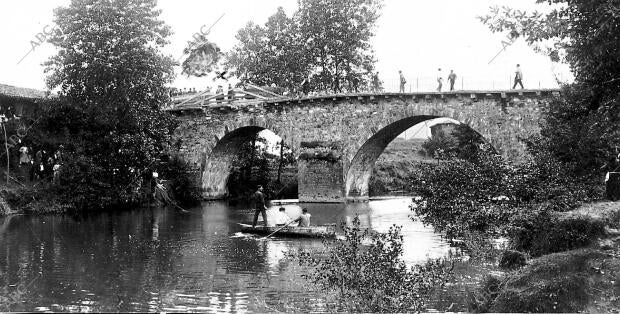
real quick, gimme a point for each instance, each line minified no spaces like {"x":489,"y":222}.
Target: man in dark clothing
{"x":376,"y":83}
{"x":305,"y":86}
{"x":218,"y":92}
{"x":452,"y":79}
{"x":259,"y":199}
{"x":231,"y":93}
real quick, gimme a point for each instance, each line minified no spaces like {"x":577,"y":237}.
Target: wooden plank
{"x":264,"y":90}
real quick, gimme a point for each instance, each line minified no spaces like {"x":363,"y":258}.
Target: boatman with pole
{"x":259,"y":201}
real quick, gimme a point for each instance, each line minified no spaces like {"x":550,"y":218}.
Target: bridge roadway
{"x":352,"y":129}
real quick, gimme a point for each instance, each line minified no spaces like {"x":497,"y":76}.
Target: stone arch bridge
{"x":212,"y":131}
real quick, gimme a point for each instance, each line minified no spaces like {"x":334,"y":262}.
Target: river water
{"x":160,"y":260}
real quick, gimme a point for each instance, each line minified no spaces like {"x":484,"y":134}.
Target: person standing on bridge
{"x":376,"y":83}
{"x":259,"y":203}
{"x":219,"y":92}
{"x":518,"y":77}
{"x":452,"y":79}
{"x":231,"y":93}
{"x":402,"y":81}
{"x":439,"y":80}
{"x":305,"y":86}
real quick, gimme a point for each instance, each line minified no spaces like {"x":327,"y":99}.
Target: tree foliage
{"x":253,"y":165}
{"x":111,"y":77}
{"x":484,"y":194}
{"x":581,"y":128}
{"x":370,"y":276}
{"x":270,"y":54}
{"x":325,"y":43}
{"x":458,"y":141}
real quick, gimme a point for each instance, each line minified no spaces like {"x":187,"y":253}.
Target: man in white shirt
{"x":23,"y":155}
{"x":518,"y":77}
{"x":281,"y":218}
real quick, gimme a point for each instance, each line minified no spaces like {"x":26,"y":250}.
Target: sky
{"x":414,"y":36}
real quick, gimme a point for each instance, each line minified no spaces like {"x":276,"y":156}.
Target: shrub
{"x":480,"y":247}
{"x":481,"y":300}
{"x":483,"y":195}
{"x":462,"y":196}
{"x":540,"y":232}
{"x":511,"y":259}
{"x":553,"y":283}
{"x":372,"y":277}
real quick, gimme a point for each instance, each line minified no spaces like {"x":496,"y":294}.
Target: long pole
{"x":287,"y":224}
{"x":6,"y":146}
{"x":280,"y":164}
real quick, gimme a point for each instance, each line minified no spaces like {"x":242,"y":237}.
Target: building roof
{"x":21,"y":92}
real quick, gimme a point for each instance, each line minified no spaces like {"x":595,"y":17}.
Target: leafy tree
{"x":337,"y":36}
{"x":112,"y":78}
{"x":326,"y":44}
{"x":581,"y":128}
{"x":270,"y":54}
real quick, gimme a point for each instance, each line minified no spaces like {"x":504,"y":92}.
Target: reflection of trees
{"x":109,"y":255}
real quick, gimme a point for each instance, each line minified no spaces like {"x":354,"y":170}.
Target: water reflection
{"x":159,"y":260}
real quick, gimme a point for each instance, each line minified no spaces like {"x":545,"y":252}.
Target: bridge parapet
{"x":182,"y":105}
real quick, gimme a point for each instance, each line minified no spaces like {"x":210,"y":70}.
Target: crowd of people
{"x":42,"y":165}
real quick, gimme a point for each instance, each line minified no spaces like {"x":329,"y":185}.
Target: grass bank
{"x":581,"y":279}
{"x":31,"y":200}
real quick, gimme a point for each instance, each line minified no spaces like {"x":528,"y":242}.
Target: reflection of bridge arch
{"x":218,"y":164}
{"x":361,"y":166}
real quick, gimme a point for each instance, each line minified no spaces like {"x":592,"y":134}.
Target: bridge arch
{"x":361,"y":166}
{"x":219,"y":162}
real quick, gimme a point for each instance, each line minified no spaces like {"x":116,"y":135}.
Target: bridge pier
{"x":320,"y":173}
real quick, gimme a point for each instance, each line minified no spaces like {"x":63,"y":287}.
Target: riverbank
{"x":16,"y":199}
{"x":583,"y":279}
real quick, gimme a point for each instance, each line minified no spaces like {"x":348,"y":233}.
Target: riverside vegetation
{"x":108,"y":115}
{"x":550,"y":208}
{"x":563,"y":244}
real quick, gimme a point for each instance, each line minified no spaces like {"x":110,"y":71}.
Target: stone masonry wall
{"x":320,"y":181}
